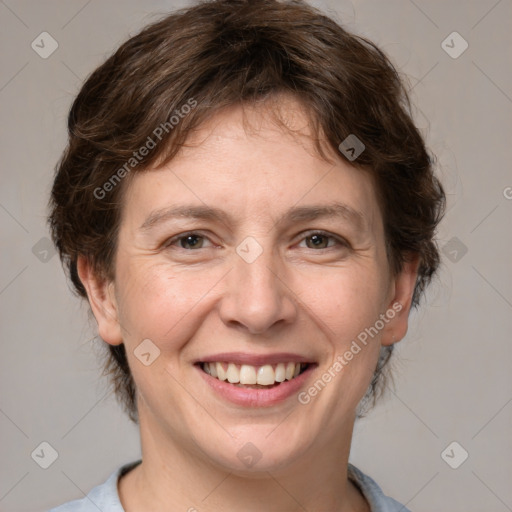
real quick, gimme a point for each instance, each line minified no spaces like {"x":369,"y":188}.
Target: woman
{"x":250,"y":211}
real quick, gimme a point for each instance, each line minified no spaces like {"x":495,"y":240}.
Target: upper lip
{"x":255,"y":359}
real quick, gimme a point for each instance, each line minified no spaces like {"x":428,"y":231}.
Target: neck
{"x":172,"y":477}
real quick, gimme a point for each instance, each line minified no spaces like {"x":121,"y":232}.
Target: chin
{"x":256,"y":450}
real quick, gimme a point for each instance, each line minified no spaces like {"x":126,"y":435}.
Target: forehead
{"x":254,"y":158}
{"x":280,"y":119}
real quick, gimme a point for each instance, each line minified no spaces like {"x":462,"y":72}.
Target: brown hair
{"x":225,"y":52}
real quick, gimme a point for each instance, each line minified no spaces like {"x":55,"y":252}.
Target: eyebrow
{"x":293,"y":215}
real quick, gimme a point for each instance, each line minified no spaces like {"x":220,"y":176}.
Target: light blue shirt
{"x":105,"y":497}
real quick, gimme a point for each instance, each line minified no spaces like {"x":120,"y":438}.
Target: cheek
{"x":158,"y":302}
{"x":346,"y":301}
{"x":348,"y":304}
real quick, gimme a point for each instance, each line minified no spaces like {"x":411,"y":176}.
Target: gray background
{"x":453,"y":378}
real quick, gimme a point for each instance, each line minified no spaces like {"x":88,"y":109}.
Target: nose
{"x":256,"y":297}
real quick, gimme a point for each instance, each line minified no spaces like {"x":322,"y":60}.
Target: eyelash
{"x":340,"y":241}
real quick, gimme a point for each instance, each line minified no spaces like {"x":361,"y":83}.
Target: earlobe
{"x":100,"y":293}
{"x":400,"y":305}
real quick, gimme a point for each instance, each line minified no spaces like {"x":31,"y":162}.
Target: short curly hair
{"x":224,"y":52}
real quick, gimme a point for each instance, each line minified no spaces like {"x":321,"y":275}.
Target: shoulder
{"x":378,"y":501}
{"x":103,"y":497}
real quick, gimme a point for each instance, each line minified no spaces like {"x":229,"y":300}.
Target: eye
{"x":322,"y":240}
{"x":188,"y":241}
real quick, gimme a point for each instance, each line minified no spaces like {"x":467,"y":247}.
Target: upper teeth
{"x":265,"y":375}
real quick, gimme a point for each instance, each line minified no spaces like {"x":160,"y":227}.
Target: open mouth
{"x":266,"y":376}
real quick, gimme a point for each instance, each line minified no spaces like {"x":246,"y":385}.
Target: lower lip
{"x":250,"y":397}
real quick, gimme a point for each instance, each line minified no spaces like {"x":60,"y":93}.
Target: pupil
{"x":191,"y":240}
{"x":317,"y":240}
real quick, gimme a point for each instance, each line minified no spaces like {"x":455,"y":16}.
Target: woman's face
{"x":248,"y":249}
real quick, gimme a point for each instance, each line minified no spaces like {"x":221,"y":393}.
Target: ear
{"x":100,"y":293}
{"x":398,"y":308}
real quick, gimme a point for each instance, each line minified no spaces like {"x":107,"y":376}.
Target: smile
{"x":256,"y":377}
{"x":255,"y":380}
